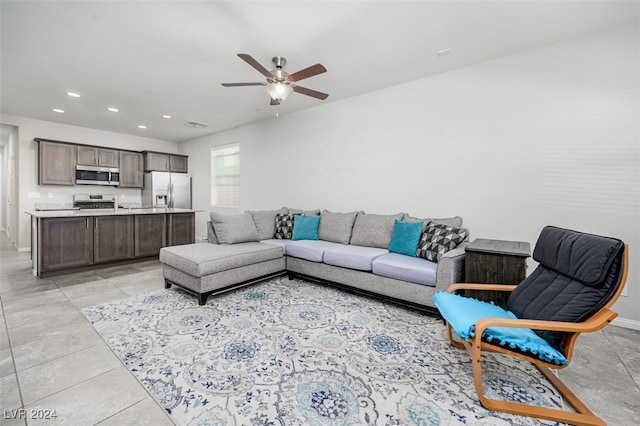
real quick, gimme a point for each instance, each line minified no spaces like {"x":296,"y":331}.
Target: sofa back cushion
{"x":237,"y":228}
{"x":336,"y":227}
{"x":455,"y":221}
{"x":265,"y":221}
{"x":315,"y":212}
{"x":374,"y":230}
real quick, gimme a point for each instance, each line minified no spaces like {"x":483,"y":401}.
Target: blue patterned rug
{"x":295,"y":353}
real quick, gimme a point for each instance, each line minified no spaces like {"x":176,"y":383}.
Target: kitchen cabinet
{"x":66,"y":242}
{"x":56,"y":163}
{"x":162,"y":162}
{"x":178,"y":163}
{"x":112,"y":238}
{"x":131,"y":169}
{"x":181,"y":229}
{"x":93,"y":156}
{"x":150,"y":234}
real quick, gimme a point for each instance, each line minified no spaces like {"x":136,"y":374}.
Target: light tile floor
{"x":51,"y":358}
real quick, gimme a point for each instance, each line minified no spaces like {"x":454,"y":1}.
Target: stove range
{"x":94,"y":201}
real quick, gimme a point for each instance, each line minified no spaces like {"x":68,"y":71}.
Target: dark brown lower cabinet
{"x":150,"y":234}
{"x":112,"y":238}
{"x":70,"y":242}
{"x":495,"y":262}
{"x":181,"y":229}
{"x":66,"y":242}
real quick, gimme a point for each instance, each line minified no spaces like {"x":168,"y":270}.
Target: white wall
{"x":548,"y":136}
{"x":27,"y":166}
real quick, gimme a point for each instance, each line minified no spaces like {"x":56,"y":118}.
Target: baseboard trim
{"x":626,"y":323}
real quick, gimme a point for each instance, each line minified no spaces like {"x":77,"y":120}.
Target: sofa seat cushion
{"x":312,"y":250}
{"x":353,"y":257}
{"x":406,"y":268}
{"x":203,"y":258}
{"x":278,"y":242}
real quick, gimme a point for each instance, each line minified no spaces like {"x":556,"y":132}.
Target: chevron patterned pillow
{"x":437,"y":239}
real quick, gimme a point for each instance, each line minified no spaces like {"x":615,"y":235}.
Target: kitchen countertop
{"x":105,"y":212}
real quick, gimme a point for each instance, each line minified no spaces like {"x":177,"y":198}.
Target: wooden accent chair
{"x":578,"y":279}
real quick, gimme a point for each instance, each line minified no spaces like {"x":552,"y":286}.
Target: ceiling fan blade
{"x":248,"y":59}
{"x":274,"y":101}
{"x":242,"y":84}
{"x":309,"y":92}
{"x":307,"y":72}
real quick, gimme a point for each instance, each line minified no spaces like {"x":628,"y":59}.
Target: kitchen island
{"x":72,"y":240}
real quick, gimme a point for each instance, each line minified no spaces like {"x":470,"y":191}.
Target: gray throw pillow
{"x":265,"y":221}
{"x":374,"y":230}
{"x":455,"y":221}
{"x":305,"y":212}
{"x":336,"y":227}
{"x":237,"y":228}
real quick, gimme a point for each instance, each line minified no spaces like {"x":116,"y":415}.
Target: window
{"x":225,"y":176}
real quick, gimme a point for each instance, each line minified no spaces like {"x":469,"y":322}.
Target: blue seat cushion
{"x":312,"y":250}
{"x":405,"y":268}
{"x":353,"y":257}
{"x":462,"y":314}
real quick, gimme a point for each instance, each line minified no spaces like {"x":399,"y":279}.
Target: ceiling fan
{"x":280,"y":84}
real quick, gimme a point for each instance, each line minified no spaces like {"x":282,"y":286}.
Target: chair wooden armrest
{"x":596,"y":322}
{"x":476,"y":286}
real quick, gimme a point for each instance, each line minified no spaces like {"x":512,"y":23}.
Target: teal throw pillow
{"x":405,"y":237}
{"x":305,"y":227}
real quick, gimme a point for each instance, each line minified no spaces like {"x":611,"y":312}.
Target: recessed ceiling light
{"x":73,"y":94}
{"x":112,"y":109}
{"x":166,"y":116}
{"x":142,"y":126}
{"x":58,"y":110}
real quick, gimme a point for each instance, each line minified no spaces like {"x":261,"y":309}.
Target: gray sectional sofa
{"x":352,"y":251}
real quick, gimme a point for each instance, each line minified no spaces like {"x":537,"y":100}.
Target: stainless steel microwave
{"x":95,"y":175}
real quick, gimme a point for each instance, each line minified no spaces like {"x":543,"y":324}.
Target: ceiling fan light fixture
{"x":278,"y":91}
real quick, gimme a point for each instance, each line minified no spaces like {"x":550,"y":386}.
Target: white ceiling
{"x":152,"y":58}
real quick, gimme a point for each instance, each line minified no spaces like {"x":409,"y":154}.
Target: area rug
{"x":290,"y":352}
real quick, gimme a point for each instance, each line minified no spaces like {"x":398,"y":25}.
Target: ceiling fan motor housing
{"x":279,"y":73}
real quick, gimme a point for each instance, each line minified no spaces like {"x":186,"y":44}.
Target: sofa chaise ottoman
{"x":204,"y":269}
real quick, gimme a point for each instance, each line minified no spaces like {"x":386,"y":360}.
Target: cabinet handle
{"x":86,"y":223}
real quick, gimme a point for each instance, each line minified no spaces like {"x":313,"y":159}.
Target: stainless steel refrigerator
{"x":165,"y":189}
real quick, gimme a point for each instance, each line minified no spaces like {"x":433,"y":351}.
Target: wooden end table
{"x":495,"y":262}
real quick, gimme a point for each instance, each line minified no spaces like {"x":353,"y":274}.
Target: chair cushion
{"x":312,"y":250}
{"x":583,"y":257}
{"x":353,"y":257}
{"x":406,"y":268}
{"x":593,"y":265}
{"x":462,"y":314}
{"x":203,"y":258}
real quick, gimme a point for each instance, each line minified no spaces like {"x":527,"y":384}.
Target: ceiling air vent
{"x":196,"y":125}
